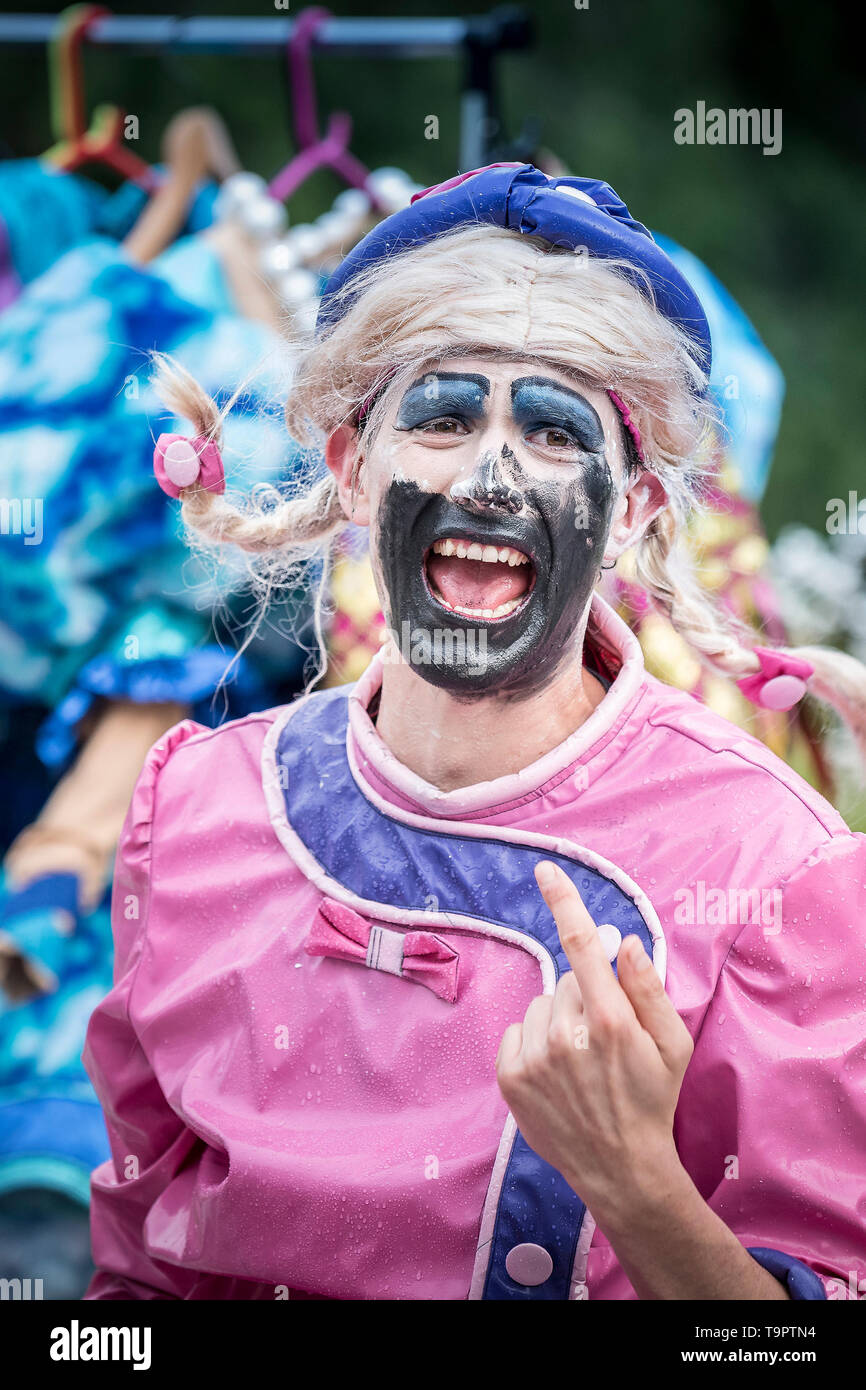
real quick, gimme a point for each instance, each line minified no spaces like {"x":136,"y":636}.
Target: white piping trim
{"x":569,"y":849}
{"x":312,"y":870}
{"x":491,"y":1207}
{"x":609,"y":630}
{"x":579,"y":1287}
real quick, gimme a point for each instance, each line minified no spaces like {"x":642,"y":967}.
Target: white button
{"x":575,"y":193}
{"x":611,"y":939}
{"x":529,"y":1264}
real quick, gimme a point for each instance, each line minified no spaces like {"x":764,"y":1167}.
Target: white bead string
{"x":287,"y":253}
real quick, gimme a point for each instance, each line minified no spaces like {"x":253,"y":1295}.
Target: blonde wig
{"x":485,"y":290}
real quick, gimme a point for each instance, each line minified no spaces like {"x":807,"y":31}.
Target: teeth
{"x":508,"y":607}
{"x":501,"y":612}
{"x":491,"y":554}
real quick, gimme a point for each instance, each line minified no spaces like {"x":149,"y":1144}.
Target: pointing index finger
{"x":577,"y":933}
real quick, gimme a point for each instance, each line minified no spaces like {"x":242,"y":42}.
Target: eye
{"x":443,"y":425}
{"x":554,"y":437}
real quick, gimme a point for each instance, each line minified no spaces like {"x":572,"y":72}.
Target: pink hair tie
{"x":628,"y":422}
{"x":781,"y":681}
{"x":179,"y":462}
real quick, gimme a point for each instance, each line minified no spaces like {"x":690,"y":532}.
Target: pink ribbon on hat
{"x":461,"y":178}
{"x":781,"y":681}
{"x":179,"y":462}
{"x":343,"y":934}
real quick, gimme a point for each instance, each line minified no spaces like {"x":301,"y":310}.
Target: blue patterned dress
{"x":99,"y":597}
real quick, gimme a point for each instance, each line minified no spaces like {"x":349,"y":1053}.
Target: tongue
{"x":475,"y":583}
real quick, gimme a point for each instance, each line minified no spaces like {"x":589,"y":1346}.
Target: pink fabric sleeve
{"x":772,"y":1115}
{"x":149,"y":1142}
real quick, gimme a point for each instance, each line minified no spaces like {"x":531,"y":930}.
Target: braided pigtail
{"x":281,"y":534}
{"x":729,"y":647}
{"x":294,"y":524}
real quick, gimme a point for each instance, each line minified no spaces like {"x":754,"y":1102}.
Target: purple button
{"x":529,"y":1264}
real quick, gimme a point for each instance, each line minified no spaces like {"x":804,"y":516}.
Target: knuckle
{"x":508,"y":1076}
{"x":568,"y":989}
{"x":561,"y":1040}
{"x":575,"y":939}
{"x":606,"y":1022}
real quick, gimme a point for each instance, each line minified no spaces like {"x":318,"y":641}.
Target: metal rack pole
{"x":480,"y":39}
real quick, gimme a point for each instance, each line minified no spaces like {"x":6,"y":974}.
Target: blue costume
{"x":99,"y":598}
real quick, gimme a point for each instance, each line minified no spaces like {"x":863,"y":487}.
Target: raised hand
{"x":593,"y":1073}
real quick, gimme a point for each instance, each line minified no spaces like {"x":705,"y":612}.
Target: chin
{"x":477,"y":605}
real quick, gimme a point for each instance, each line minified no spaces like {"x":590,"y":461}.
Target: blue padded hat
{"x":568,"y":212}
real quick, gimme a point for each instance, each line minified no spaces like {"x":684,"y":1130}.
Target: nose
{"x":489,"y":488}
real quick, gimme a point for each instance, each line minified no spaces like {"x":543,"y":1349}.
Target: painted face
{"x":494,"y":499}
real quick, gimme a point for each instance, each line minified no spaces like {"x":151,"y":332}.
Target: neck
{"x":453,"y":743}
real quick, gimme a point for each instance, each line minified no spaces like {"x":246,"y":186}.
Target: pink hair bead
{"x":180,"y":462}
{"x":782,"y":692}
{"x":781,"y":681}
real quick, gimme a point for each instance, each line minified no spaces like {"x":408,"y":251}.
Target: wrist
{"x":641,"y":1195}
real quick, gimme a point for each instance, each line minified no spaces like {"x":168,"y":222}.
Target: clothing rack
{"x":479,"y":39}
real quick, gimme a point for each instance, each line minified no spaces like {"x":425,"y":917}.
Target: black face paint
{"x":490,"y":487}
{"x":561,"y":525}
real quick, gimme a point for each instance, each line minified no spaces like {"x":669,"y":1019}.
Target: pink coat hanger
{"x":315,"y":151}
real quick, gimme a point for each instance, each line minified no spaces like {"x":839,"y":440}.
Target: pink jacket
{"x":317,"y":954}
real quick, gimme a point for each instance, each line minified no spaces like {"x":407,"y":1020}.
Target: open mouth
{"x":478,"y":580}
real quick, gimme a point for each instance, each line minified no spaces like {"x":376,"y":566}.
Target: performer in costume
{"x":364,"y":1039}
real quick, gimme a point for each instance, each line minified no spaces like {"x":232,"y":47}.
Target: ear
{"x":636,"y":508}
{"x":343,"y":456}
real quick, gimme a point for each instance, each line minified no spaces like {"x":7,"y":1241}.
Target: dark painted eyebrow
{"x":442,"y":393}
{"x":481,"y":382}
{"x":549,"y":383}
{"x":586,"y":410}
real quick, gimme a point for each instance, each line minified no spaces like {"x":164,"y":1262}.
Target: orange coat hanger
{"x":102,"y":142}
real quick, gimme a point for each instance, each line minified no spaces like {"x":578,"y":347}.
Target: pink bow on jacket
{"x":420,"y":956}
